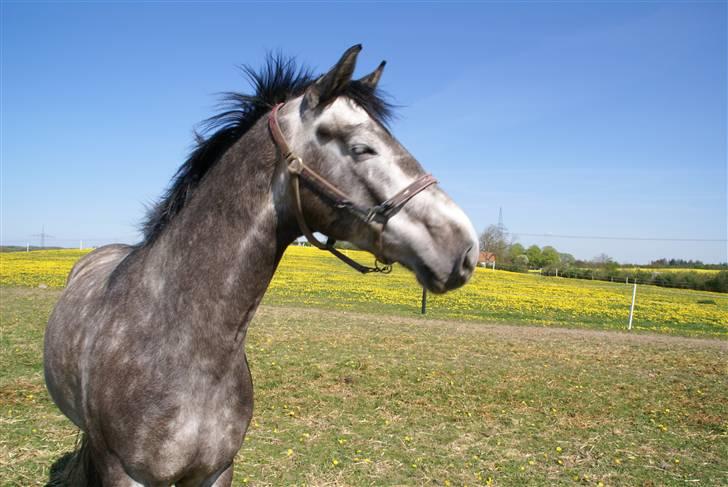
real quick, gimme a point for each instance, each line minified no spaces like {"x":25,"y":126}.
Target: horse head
{"x":337,"y":129}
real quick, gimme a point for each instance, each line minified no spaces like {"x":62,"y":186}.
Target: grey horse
{"x":145,"y":350}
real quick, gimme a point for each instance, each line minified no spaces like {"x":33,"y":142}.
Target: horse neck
{"x":216,"y":258}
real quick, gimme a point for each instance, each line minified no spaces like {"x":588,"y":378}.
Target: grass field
{"x":362,"y":390}
{"x":348,"y":398}
{"x":311,"y":278}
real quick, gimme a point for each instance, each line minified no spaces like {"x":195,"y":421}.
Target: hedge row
{"x":716,"y":282}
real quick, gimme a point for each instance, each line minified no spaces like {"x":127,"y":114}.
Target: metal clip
{"x":383,"y":268}
{"x":295,"y":164}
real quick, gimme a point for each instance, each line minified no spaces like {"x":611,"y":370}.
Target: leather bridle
{"x":381,"y":213}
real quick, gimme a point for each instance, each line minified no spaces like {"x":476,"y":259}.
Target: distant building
{"x":486,"y":258}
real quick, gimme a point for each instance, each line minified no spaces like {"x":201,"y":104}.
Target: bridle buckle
{"x":371,"y":214}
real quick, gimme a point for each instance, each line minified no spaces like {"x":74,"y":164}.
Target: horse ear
{"x":372,"y":79}
{"x":333,"y":82}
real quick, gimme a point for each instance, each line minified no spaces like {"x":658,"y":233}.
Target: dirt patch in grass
{"x":505,"y":331}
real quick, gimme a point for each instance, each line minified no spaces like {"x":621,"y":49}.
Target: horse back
{"x":71,"y":326}
{"x":102,"y":261}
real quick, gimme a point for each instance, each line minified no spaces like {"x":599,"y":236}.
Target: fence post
{"x":631,"y":308}
{"x":424,"y":300}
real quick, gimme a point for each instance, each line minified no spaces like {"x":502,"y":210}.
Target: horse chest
{"x":202,"y":436}
{"x":204,"y":440}
{"x":180,"y":423}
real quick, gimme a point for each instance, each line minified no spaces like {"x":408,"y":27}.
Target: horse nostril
{"x":463,"y":268}
{"x":467,"y":264}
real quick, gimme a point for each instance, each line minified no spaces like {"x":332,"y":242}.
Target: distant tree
{"x":534,"y":256}
{"x":514,"y":251}
{"x":549,"y":256}
{"x":602,"y":259}
{"x":494,"y":240}
{"x":609,"y":265}
{"x":520,"y":263}
{"x":567,"y":259}
{"x":687,"y":264}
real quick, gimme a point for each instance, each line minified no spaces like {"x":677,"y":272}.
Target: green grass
{"x":347,"y":398}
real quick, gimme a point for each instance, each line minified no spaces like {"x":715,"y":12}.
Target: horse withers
{"x":144,"y":351}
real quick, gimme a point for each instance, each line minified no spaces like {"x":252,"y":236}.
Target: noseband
{"x":329,"y":193}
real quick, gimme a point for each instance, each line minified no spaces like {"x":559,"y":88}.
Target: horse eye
{"x":361,"y":149}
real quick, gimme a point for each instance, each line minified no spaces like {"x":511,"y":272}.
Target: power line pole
{"x":42,"y":236}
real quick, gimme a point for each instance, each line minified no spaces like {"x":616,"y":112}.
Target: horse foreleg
{"x":113,"y":474}
{"x":225,"y":479}
{"x":221,"y":478}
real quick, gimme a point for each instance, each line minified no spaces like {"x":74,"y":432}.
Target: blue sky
{"x":582,"y":119}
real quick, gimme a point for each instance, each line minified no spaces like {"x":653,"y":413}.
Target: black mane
{"x":278,"y":81}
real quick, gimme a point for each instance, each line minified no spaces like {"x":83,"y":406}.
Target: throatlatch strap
{"x":329,"y":245}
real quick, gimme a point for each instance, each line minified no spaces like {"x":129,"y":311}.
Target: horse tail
{"x":75,"y":468}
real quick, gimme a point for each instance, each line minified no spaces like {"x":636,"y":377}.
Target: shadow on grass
{"x":57,"y":475}
{"x":75,"y":468}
